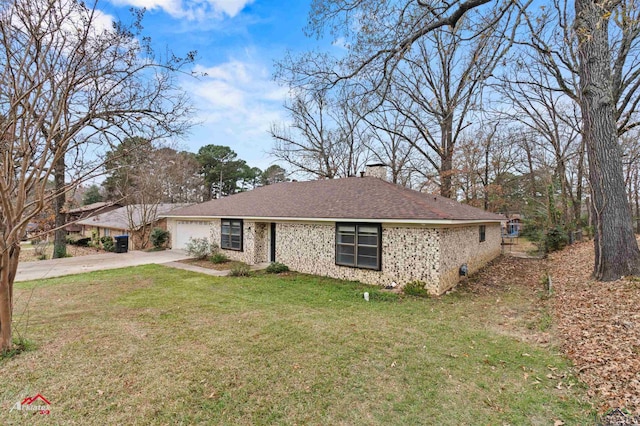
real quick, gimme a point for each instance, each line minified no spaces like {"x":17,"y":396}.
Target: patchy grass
{"x":156,"y":345}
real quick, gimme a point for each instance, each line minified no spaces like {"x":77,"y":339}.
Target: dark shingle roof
{"x":353,"y":198}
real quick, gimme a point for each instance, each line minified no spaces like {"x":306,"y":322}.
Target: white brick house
{"x":361,"y":229}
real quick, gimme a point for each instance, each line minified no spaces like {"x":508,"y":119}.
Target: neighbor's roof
{"x":119,"y":218}
{"x":354,"y":198}
{"x":93,"y":206}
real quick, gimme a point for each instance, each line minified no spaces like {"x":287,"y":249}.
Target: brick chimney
{"x":377,"y":170}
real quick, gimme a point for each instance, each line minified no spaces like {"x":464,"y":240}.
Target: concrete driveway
{"x":38,"y":270}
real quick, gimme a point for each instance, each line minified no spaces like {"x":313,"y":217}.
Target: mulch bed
{"x":599,"y":327}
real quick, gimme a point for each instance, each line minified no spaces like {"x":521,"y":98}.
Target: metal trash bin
{"x":122,"y":243}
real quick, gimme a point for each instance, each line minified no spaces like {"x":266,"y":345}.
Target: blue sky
{"x":237,"y":42}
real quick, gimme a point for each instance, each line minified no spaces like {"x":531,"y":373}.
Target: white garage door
{"x":186,"y":229}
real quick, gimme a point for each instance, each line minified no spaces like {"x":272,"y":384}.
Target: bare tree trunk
{"x":60,"y":235}
{"x":577,"y":204}
{"x":8,"y":266}
{"x":446,"y":164}
{"x":637,"y":200}
{"x":486,"y":176}
{"x":616,"y":249}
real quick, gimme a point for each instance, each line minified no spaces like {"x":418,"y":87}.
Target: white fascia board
{"x":437,"y":222}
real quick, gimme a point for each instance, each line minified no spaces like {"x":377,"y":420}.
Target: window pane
{"x":225,"y":241}
{"x":235,"y":241}
{"x":345,"y":259}
{"x":370,"y":240}
{"x":368,"y":230}
{"x":347,"y":228}
{"x":346,"y":249}
{"x":367,"y":261}
{"x":225,"y":228}
{"x":346,"y":238}
{"x":236,"y":230}
{"x":368,"y":251}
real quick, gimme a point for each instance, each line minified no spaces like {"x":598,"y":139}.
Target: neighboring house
{"x":83,"y":212}
{"x":134,"y":220}
{"x":513,"y":226}
{"x":353,"y":228}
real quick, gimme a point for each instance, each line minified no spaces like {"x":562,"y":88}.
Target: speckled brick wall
{"x":461,"y":245}
{"x":261,"y":251}
{"x":408,"y":254}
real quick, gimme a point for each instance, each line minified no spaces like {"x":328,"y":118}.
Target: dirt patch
{"x":600,"y":327}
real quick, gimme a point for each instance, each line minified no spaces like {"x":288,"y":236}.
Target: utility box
{"x":122,"y":243}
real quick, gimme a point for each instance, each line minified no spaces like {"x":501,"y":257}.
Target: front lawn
{"x":153,"y":345}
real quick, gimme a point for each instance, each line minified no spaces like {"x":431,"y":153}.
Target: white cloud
{"x":190,"y":9}
{"x":237,"y":102}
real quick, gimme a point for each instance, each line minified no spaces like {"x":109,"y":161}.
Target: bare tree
{"x":443,"y":78}
{"x":555,"y":118}
{"x":591,"y":54}
{"x":391,"y":142}
{"x":325,"y":137}
{"x":606,"y":69}
{"x":69,"y":86}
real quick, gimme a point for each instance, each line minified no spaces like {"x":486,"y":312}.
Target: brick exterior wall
{"x":255,"y":243}
{"x":409,"y":252}
{"x":461,"y":245}
{"x":432,"y":255}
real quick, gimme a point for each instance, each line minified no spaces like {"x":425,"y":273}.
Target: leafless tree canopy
{"x":566,"y":73}
{"x":71,"y":84}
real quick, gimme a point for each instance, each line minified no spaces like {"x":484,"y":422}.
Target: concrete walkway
{"x":41,"y":269}
{"x":209,"y":271}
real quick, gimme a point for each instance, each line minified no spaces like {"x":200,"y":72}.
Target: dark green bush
{"x":277,"y":268}
{"x":159,"y":237}
{"x":556,"y":239}
{"x":218,"y":258}
{"x":108,"y":243}
{"x":78,"y":240}
{"x":416,"y":288}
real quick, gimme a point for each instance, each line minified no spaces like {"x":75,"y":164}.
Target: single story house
{"x":82,"y":212}
{"x":355,"y":228}
{"x":135,"y":220}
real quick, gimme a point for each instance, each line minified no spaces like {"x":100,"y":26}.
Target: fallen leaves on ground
{"x":599,"y":327}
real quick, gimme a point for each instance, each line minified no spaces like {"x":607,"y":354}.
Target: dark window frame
{"x":229,"y":246}
{"x":355,"y":245}
{"x":482,"y":231}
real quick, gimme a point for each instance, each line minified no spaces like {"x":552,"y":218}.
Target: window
{"x":107,"y":232}
{"x":483,"y":229}
{"x":358,"y":245}
{"x":231,"y":234}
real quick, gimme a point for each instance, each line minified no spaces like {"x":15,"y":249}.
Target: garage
{"x":186,"y":229}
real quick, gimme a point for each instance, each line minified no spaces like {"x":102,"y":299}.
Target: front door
{"x":272,"y":251}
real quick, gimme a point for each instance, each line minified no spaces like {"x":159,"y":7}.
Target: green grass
{"x":152,"y":345}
